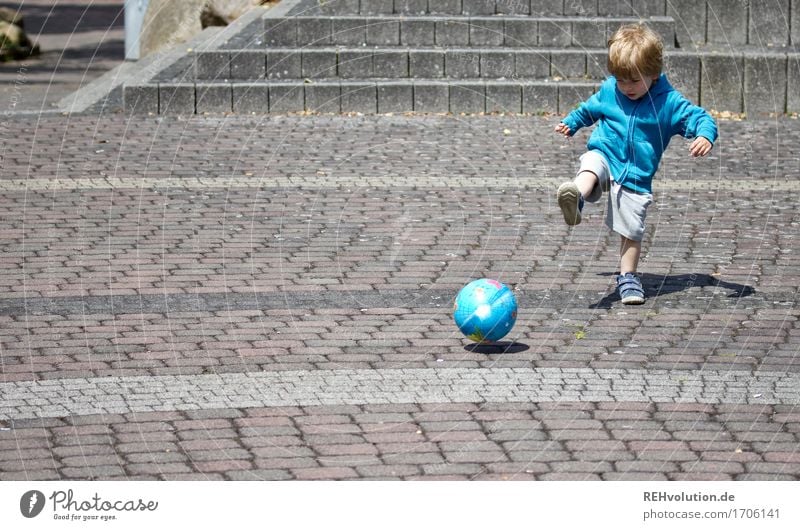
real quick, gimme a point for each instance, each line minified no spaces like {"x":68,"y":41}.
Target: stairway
{"x":438,"y":56}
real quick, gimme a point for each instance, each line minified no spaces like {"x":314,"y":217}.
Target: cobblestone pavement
{"x":245,"y":297}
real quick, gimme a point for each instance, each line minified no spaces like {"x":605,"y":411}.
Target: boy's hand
{"x":700,"y":147}
{"x":562,"y":128}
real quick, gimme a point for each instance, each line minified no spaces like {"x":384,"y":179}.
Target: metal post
{"x":134,"y":16}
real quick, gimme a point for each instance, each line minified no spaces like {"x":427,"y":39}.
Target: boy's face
{"x":635,"y":88}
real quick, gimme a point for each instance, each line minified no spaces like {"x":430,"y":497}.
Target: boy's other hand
{"x":700,"y":147}
{"x":562,"y":128}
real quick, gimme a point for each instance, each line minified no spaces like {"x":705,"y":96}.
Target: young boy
{"x":638,"y":112}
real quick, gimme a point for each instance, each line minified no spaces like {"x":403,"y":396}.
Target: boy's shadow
{"x":491,"y":348}
{"x":659,"y":285}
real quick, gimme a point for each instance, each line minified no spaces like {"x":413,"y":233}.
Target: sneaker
{"x":571,"y":203}
{"x":630,"y":289}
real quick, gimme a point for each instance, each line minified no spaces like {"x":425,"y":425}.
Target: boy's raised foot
{"x":571,"y":203}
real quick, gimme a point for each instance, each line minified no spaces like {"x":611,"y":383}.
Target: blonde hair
{"x":635,"y":51}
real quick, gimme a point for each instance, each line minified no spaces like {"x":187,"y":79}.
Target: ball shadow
{"x":493,"y":348}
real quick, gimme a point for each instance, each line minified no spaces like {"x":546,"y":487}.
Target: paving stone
{"x":395,"y":97}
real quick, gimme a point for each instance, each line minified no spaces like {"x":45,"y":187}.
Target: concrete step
{"x":366,"y":96}
{"x":398,"y":62}
{"x":499,"y":30}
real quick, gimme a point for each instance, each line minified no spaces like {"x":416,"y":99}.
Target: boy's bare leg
{"x":572,"y":194}
{"x":586,"y":181}
{"x":629,"y":252}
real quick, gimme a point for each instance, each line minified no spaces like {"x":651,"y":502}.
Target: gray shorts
{"x":627,"y":209}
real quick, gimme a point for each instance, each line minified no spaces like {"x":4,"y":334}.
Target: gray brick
{"x":141,"y":99}
{"x":522,"y":33}
{"x":532,"y":64}
{"x":286,"y":97}
{"x":390,"y":63}
{"x":250,"y":97}
{"x":445,"y":7}
{"x":280,"y":32}
{"x":590,"y":33}
{"x":462,"y":64}
{"x":426,"y":63}
{"x":381,"y":32}
{"x":792,"y":96}
{"x":214,"y":98}
{"x":323,"y":98}
{"x":486,"y":32}
{"x":314,"y":31}
{"x":478,"y":7}
{"x":377,"y":7}
{"x":683,"y":71}
{"x":546,"y":8}
{"x":513,"y":7}
{"x":417,"y":32}
{"x":319,"y":63}
{"x":570,"y":96}
{"x":467,"y":98}
{"x":497,"y":64}
{"x":555,"y":33}
{"x":338,"y":7}
{"x":664,"y":27}
{"x":504,"y":97}
{"x":359,"y":97}
{"x":355,"y":63}
{"x":567,"y":63}
{"x":597,"y":65}
{"x":430,"y":97}
{"x":721,"y":83}
{"x":284,"y":64}
{"x":690,"y":21}
{"x":395,"y":97}
{"x":176,"y":98}
{"x":212,"y":65}
{"x":248,"y":64}
{"x":451,"y":32}
{"x":727,"y":21}
{"x":650,"y":8}
{"x":794,"y":30}
{"x":764,"y":84}
{"x":586,"y":8}
{"x":614,"y":8}
{"x":349,"y":31}
{"x":770,"y":25}
{"x":411,"y":7}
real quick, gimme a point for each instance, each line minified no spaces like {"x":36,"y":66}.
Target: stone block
{"x":683,"y":71}
{"x":176,"y":98}
{"x":280,"y":32}
{"x":690,"y":21}
{"x":793,"y":73}
{"x":570,"y":96}
{"x":338,"y":7}
{"x":522,"y":33}
{"x":417,"y":32}
{"x":765,"y":77}
{"x":359,"y":97}
{"x":444,"y":7}
{"x":649,"y":8}
{"x":468,"y":98}
{"x":377,"y":7}
{"x":548,"y":8}
{"x":382,"y":32}
{"x":212,"y":65}
{"x":395,"y":97}
{"x":486,"y":32}
{"x":452,"y":32}
{"x":721,"y":82}
{"x":794,"y":26}
{"x":532,"y":64}
{"x":597,"y":65}
{"x":478,"y":7}
{"x":426,"y":63}
{"x":538,"y":98}
{"x":286,"y":97}
{"x":727,"y":21}
{"x":355,"y":63}
{"x":460,"y":64}
{"x":567,"y":63}
{"x":431,"y":97}
{"x":249,"y":98}
{"x":248,"y":64}
{"x":664,"y":26}
{"x":325,"y":98}
{"x":591,"y":33}
{"x":497,"y":64}
{"x":504,"y":97}
{"x":349,"y":31}
{"x":313,"y":31}
{"x":614,"y":8}
{"x":769,"y":22}
{"x":390,"y":63}
{"x":284,"y":64}
{"x":318,"y":63}
{"x":513,"y":7}
{"x":555,"y":33}
{"x":140,"y":99}
{"x":584,"y":8}
{"x":213,"y":97}
{"x":411,"y":7}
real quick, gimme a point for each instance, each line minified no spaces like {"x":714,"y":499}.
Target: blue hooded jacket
{"x":634,"y":134}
